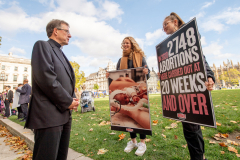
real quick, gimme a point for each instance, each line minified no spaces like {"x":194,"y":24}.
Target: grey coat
{"x":25,"y":93}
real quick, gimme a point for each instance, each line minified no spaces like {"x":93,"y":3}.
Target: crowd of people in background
{"x":6,"y":101}
{"x":16,"y":103}
{"x":19,"y":100}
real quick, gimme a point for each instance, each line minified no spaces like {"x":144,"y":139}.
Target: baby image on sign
{"x":128,"y":101}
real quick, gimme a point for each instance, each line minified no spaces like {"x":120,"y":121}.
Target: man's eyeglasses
{"x":67,"y":31}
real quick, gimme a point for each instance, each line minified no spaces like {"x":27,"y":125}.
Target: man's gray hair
{"x":55,"y":23}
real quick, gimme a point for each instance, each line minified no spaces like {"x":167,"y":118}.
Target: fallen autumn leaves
{"x":121,"y":136}
{"x":102,"y":151}
{"x":19,"y":146}
{"x":228,"y":142}
{"x":172,"y":147}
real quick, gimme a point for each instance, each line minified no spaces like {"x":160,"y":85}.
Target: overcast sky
{"x":99,"y":26}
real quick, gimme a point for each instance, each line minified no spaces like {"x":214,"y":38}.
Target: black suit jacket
{"x":25,"y":93}
{"x":53,"y":84}
{"x":10,"y":96}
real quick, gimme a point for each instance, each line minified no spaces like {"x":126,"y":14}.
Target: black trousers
{"x":134,"y":135}
{"x":52,"y":143}
{"x":24,"y":108}
{"x":7,"y":109}
{"x":194,"y":138}
{"x":19,"y":109}
{"x":20,"y":113}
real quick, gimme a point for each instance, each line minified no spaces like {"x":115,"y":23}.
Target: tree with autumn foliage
{"x":158,"y":85}
{"x":0,"y":41}
{"x":231,"y":77}
{"x":79,"y":75}
{"x":96,"y":87}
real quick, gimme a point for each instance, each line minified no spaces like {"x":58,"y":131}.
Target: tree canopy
{"x":158,"y":85}
{"x":0,"y":41}
{"x":96,"y":87}
{"x":230,"y":77}
{"x":79,"y":75}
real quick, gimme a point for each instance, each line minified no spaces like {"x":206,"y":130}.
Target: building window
{"x":25,"y":69}
{"x":6,"y":77}
{"x":15,"y":78}
{"x":3,"y":67}
{"x":24,"y":77}
{"x":15,"y":68}
{"x":2,"y":76}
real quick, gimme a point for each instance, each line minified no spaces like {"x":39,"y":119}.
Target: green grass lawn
{"x":169,"y":148}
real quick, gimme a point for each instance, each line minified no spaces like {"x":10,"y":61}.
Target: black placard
{"x":182,"y":77}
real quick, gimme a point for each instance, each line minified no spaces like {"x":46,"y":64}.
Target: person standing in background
{"x":2,"y":103}
{"x":16,"y":100}
{"x":25,"y":93}
{"x":11,"y":103}
{"x":8,"y":100}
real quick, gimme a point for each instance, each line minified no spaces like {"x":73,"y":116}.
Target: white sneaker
{"x":130,"y":146}
{"x":141,"y":149}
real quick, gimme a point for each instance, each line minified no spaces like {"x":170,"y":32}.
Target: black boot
{"x":21,"y":116}
{"x":23,"y":120}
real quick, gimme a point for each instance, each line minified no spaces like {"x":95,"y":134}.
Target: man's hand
{"x":16,"y":88}
{"x":74,"y":104}
{"x":209,"y":84}
{"x":145,"y":70}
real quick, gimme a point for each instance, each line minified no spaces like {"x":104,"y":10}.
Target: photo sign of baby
{"x":182,"y":71}
{"x":128,"y":101}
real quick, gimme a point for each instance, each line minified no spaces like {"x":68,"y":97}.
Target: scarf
{"x":136,"y":57}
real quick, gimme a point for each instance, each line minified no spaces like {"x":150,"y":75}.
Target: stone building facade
{"x":13,"y":71}
{"x":152,"y":82}
{"x":100,"y":79}
{"x":220,"y":70}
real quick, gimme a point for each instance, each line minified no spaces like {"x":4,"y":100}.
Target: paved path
{"x":28,"y":136}
{"x":5,"y":152}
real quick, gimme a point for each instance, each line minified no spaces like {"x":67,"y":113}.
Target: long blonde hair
{"x":135,"y":46}
{"x":174,"y":16}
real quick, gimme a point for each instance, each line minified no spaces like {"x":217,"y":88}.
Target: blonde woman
{"x":133,"y":57}
{"x":192,"y":132}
